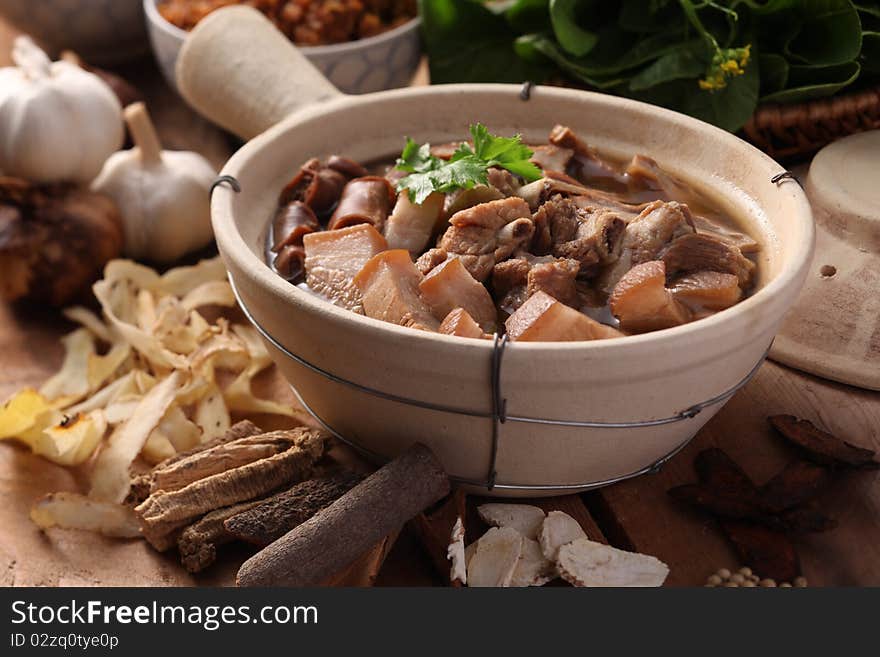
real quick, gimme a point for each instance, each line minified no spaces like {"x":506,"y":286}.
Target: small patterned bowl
{"x":100,"y":31}
{"x":386,"y":61}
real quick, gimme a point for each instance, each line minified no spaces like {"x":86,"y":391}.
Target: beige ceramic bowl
{"x":634,"y":379}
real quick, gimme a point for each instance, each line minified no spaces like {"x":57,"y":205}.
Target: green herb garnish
{"x":467,"y":166}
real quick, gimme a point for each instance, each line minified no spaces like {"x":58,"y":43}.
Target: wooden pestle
{"x":336,"y":536}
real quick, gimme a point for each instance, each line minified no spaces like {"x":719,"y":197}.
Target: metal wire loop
{"x":499,"y":405}
{"x":525,"y":92}
{"x":229,"y":180}
{"x":782,"y":176}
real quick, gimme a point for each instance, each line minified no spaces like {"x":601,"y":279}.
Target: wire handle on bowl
{"x":239,"y":71}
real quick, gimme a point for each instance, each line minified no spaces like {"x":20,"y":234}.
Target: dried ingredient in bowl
{"x":306,"y":22}
{"x":552,"y":242}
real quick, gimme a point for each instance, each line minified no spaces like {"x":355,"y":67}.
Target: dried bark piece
{"x":769,"y":553}
{"x":270,"y":519}
{"x":141,"y":485}
{"x":558,"y":529}
{"x":586,"y":563}
{"x":722,"y":474}
{"x":524,"y":518}
{"x":797,"y":483}
{"x":163,"y":512}
{"x":435,"y":527}
{"x":198,"y":543}
{"x":496,"y":557}
{"x":822,"y":447}
{"x":334,"y":537}
{"x":221,"y":458}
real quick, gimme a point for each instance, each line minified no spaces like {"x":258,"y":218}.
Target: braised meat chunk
{"x":549,"y":243}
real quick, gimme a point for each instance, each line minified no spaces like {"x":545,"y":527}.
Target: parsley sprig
{"x":467,"y":166}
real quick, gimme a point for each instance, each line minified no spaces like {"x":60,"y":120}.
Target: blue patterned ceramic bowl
{"x":386,"y":61}
{"x":100,"y":31}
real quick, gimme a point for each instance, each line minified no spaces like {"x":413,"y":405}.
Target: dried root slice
{"x":198,"y":543}
{"x":822,"y":447}
{"x":496,"y":557}
{"x":558,"y":529}
{"x":455,"y":553}
{"x":586,"y":563}
{"x":533,"y":568}
{"x":524,"y":518}
{"x":73,"y":511}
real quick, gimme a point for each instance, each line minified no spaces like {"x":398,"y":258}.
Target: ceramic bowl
{"x":100,"y":31}
{"x":590,"y":392}
{"x":386,"y":61}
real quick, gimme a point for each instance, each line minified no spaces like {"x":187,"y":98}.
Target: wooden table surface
{"x":635,"y":515}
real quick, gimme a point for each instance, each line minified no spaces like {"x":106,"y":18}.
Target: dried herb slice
{"x":822,"y":447}
{"x":767,"y":552}
{"x":795,"y":484}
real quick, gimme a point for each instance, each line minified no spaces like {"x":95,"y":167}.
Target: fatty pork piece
{"x":486,"y":234}
{"x":411,"y":225}
{"x":516,"y":279}
{"x":334,"y":257}
{"x":459,"y":323}
{"x":389,"y":286}
{"x":705,"y":292}
{"x":544,"y":319}
{"x":366,"y":200}
{"x":449,"y":286}
{"x":592,"y":237}
{"x":641,"y":301}
{"x":646,"y":235}
{"x":585,"y":164}
{"x":704,"y":252}
{"x":319,"y":186}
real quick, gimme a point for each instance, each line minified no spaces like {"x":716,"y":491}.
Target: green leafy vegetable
{"x":467,"y":167}
{"x":714,"y":59}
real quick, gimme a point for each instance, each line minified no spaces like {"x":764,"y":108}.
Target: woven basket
{"x":795,"y":132}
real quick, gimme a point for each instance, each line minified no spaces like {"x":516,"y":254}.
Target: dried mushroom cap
{"x":586,"y":563}
{"x":456,"y":553}
{"x":533,"y":568}
{"x":496,"y":557}
{"x":524,"y":518}
{"x":558,"y":529}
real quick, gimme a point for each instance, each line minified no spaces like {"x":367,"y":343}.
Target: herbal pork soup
{"x":551,"y":242}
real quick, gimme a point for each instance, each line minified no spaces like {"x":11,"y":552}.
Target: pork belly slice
{"x":703,"y":252}
{"x":334,"y":257}
{"x":488,"y":233}
{"x":707,"y":291}
{"x":459,"y":323}
{"x":450,"y":286}
{"x":411,"y":225}
{"x":389,"y":286}
{"x":641,"y":302}
{"x":544,"y":319}
{"x":366,"y":200}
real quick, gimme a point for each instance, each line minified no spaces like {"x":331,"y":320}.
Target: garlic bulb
{"x":57,"y":121}
{"x":163,"y":196}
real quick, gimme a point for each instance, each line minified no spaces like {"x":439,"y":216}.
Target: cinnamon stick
{"x":340,"y":533}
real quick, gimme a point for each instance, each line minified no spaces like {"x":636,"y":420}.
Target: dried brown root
{"x":822,"y":447}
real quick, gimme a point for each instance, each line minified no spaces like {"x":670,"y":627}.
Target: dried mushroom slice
{"x":558,"y":529}
{"x":586,"y":563}
{"x":496,"y":557}
{"x":524,"y":518}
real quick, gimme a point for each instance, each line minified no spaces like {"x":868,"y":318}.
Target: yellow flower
{"x":726,"y":63}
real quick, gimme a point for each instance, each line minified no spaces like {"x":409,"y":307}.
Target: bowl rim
{"x":154,"y":17}
{"x":233,"y":246}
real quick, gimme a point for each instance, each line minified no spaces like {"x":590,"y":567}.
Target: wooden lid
{"x":834,"y":328}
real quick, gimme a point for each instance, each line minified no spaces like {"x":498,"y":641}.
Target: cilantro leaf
{"x":467,"y":167}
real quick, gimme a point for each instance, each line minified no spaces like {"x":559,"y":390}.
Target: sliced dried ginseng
{"x":533,"y":568}
{"x":455,"y":553}
{"x":496,"y":557}
{"x":795,"y":484}
{"x":586,"y":563}
{"x":822,"y":447}
{"x":74,"y":511}
{"x":272,"y":518}
{"x":558,"y":529}
{"x":524,"y":518}
{"x":765,"y":551}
